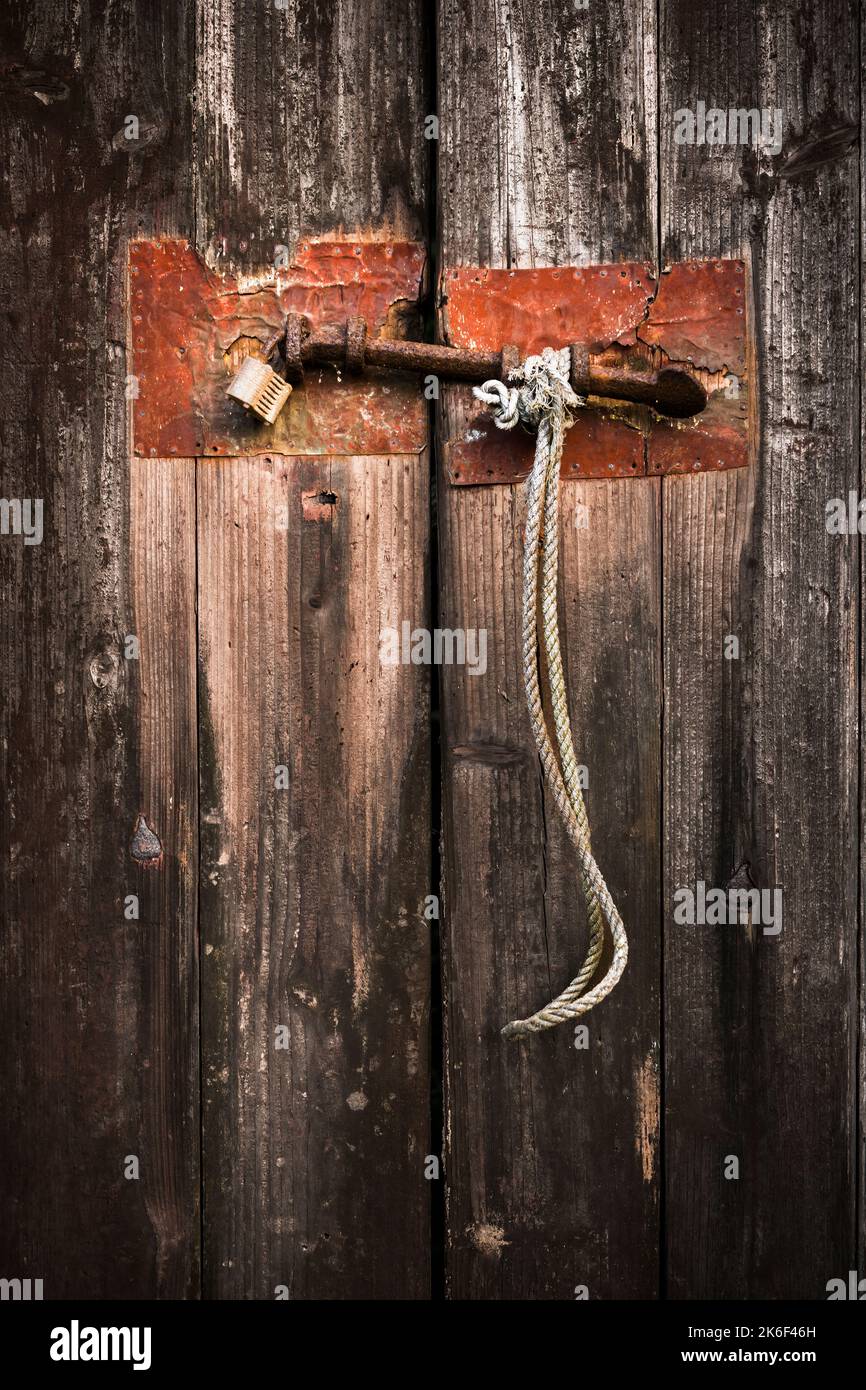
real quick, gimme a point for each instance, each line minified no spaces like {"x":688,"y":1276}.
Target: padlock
{"x":258,"y":387}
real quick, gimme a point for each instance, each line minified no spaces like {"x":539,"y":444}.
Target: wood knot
{"x":104,"y":669}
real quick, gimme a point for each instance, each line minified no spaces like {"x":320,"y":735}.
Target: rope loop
{"x":496,"y":393}
{"x":541,"y":396}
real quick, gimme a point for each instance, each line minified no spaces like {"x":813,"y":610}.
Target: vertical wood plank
{"x":547,"y":156}
{"x":316,"y":952}
{"x":861,"y":1011}
{"x":163,"y":578}
{"x":97,"y":1020}
{"x":761,"y":752}
{"x":309,"y":120}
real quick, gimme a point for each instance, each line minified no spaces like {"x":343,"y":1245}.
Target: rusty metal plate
{"x":697,"y":314}
{"x":190,"y":328}
{"x":596,"y":305}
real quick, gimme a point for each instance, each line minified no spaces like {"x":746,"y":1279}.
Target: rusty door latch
{"x":671,"y":390}
{"x":317,"y":352}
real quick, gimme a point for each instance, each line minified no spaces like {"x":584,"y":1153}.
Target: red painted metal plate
{"x":697,"y":313}
{"x":596,"y":305}
{"x":190,"y":328}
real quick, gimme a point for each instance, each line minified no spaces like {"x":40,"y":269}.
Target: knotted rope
{"x":542,"y":397}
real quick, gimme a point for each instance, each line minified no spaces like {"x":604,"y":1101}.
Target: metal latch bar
{"x":671,"y":391}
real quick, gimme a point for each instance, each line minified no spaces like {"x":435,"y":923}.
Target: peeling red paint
{"x":185,"y":320}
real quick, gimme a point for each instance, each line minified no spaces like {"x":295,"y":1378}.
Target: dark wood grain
{"x":861,"y":1010}
{"x":761,"y":752}
{"x":97,"y":1012}
{"x":310,"y":120}
{"x":547,"y":157}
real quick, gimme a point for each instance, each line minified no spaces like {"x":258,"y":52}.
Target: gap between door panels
{"x":438,"y":1232}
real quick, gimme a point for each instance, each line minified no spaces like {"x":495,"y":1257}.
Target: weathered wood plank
{"x":547,"y":157}
{"x":315,"y":948}
{"x":310,"y":119}
{"x":861,"y":1011}
{"x":760,"y":752}
{"x":97,"y":1039}
{"x":163,"y":579}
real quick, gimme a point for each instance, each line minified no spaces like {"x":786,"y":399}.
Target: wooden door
{"x":250,"y":1023}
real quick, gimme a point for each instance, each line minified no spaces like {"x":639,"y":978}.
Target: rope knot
{"x":541,"y":388}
